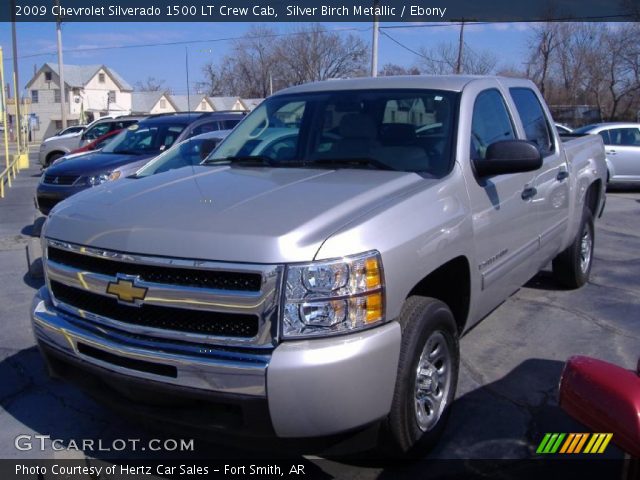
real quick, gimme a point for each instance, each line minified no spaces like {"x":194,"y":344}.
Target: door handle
{"x":562,"y":174}
{"x":611,"y":152}
{"x":528,"y":192}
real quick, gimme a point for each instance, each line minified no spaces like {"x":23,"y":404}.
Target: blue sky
{"x":506,"y":40}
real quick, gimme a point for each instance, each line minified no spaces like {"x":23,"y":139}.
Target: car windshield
{"x":404,"y":130}
{"x":187,"y":153}
{"x":141,"y":139}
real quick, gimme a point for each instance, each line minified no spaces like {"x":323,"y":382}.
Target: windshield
{"x":141,"y":139}
{"x":405,"y":130}
{"x":187,"y":153}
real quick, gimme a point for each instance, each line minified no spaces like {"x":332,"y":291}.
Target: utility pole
{"x":16,"y":80}
{"x":460,"y":45}
{"x":374,"y":44}
{"x":63,"y":92}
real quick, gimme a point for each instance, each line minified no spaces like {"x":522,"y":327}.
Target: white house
{"x":226,"y":103}
{"x":191,"y":103}
{"x":91,"y":91}
{"x":251,"y":103}
{"x":152,"y":102}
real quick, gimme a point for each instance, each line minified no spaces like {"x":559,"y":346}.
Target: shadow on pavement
{"x":494,"y":428}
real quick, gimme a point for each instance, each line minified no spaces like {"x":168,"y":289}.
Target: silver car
{"x":622,"y":148}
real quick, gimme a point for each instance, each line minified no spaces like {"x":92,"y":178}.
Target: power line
{"x":188,"y":42}
{"x":411,"y":50}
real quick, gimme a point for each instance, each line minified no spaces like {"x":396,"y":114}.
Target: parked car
{"x":604,"y":397}
{"x":321,"y":286}
{"x":99,"y":142}
{"x":189,"y":152}
{"x":622,"y":148}
{"x":71,"y":129}
{"x":140,"y":142}
{"x":58,"y":146}
{"x":563,"y":129}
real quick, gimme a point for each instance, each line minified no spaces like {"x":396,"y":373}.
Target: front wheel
{"x":427,"y":377}
{"x":572,"y":267}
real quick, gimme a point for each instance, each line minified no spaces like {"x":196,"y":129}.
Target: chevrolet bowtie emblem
{"x":126,"y":291}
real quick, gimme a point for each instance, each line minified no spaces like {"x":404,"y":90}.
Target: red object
{"x":93,"y":145}
{"x":605,"y":397}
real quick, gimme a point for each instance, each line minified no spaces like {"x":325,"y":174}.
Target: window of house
{"x":112,"y":96}
{"x":491,"y":122}
{"x":101,"y":78}
{"x":163,"y":103}
{"x":34,"y":96}
{"x":47,"y":76}
{"x":58,"y":124}
{"x":56,"y":95}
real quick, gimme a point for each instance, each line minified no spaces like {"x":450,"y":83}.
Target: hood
{"x":257,"y":215}
{"x":94,"y":162}
{"x":64,"y":137}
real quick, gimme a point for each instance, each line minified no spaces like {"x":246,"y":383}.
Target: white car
{"x":622,"y":149}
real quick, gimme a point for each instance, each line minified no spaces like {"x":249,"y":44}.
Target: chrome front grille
{"x":196,"y":301}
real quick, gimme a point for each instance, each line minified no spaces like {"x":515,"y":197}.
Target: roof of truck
{"x":453,"y":83}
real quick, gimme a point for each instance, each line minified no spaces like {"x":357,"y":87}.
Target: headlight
{"x":114,"y":175}
{"x":97,"y":179}
{"x":334,"y":296}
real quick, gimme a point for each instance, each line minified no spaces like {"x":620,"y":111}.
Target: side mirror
{"x":509,"y":156}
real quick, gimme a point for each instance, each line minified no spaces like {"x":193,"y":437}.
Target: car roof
{"x":609,"y":125}
{"x":454,"y":83}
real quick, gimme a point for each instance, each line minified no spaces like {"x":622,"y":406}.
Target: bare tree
{"x":391,"y":69}
{"x":542,"y":45}
{"x":263,"y":60}
{"x":588,"y":64}
{"x":314,"y":54}
{"x":151,"y":84}
{"x":443,"y":59}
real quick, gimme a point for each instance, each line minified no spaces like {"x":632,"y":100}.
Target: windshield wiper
{"x":350,"y":162}
{"x":246,"y":159}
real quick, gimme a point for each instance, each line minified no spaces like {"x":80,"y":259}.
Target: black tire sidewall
{"x":421,"y":317}
{"x":587,"y":221}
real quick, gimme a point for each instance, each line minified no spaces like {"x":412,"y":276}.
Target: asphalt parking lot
{"x":511,"y":362}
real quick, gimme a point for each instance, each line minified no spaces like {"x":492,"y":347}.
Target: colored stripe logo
{"x":574,"y":443}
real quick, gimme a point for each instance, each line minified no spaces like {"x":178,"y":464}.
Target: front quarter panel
{"x":415,"y":234}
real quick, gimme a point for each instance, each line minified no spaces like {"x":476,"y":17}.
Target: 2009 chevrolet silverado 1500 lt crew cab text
{"x":314,"y":274}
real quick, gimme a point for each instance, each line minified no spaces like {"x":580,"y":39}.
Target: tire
{"x":571,"y":268}
{"x":53,"y":157}
{"x":410,"y":430}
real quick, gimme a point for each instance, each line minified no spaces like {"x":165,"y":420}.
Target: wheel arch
{"x":451,"y":284}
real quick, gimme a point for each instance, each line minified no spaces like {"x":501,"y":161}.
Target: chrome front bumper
{"x":312,"y":387}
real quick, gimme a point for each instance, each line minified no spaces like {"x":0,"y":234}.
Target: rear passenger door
{"x":504,"y":223}
{"x":623,"y":151}
{"x":552,"y":183}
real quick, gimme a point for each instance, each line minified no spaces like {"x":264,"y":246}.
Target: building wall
{"x":92,"y":98}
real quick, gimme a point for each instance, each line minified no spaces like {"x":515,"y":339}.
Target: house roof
{"x":251,"y":103}
{"x":223,"y":103}
{"x":143,"y":102}
{"x":182,"y":105}
{"x":80,"y":75}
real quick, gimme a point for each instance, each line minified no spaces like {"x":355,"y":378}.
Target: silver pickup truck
{"x":314,"y":274}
